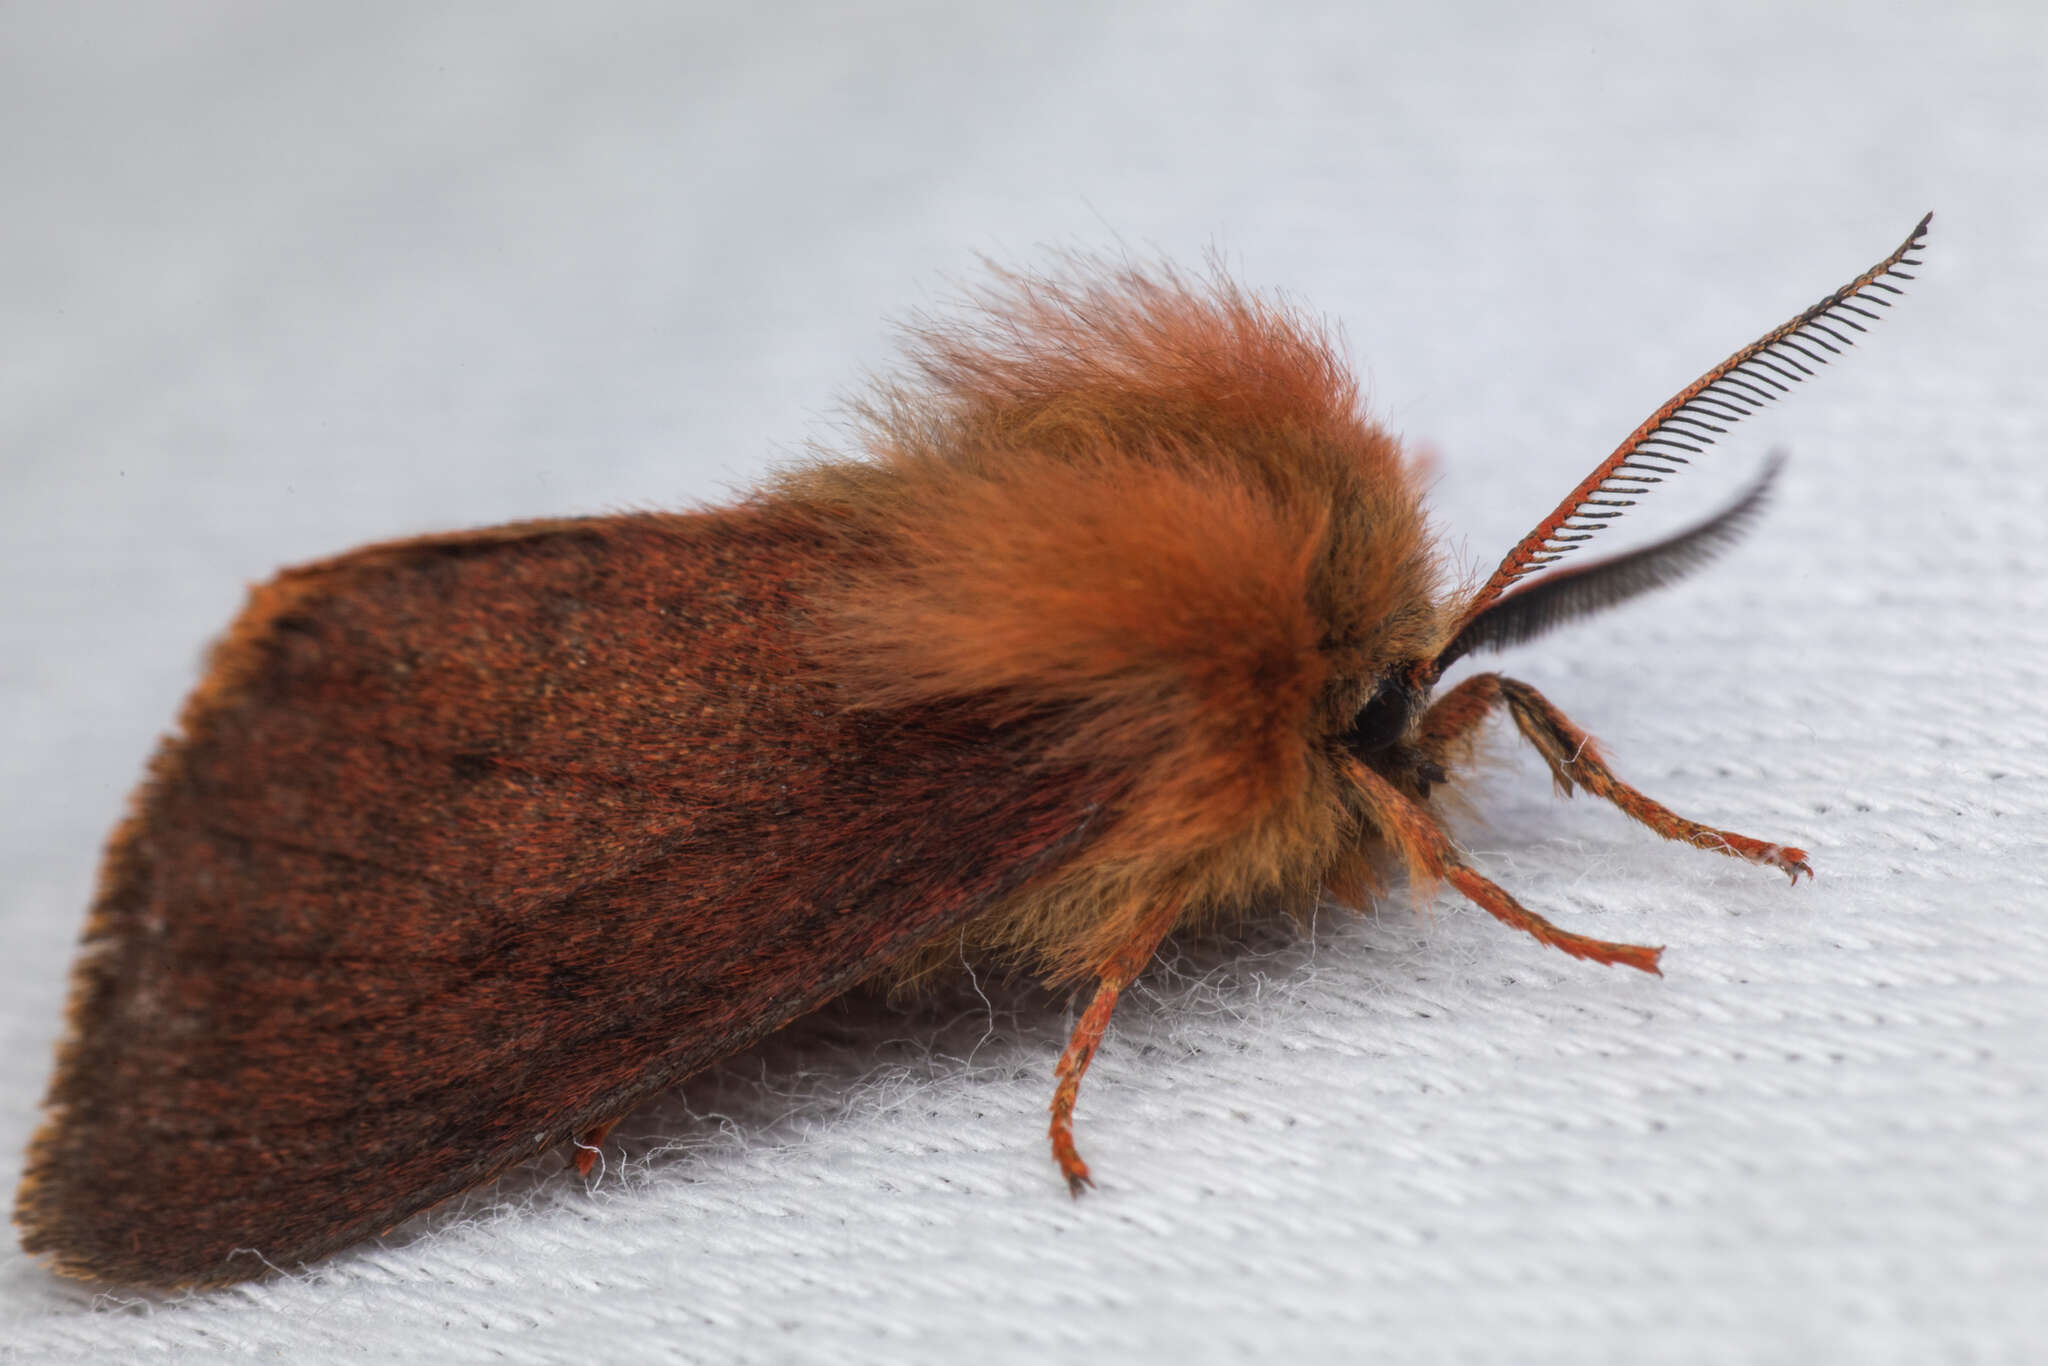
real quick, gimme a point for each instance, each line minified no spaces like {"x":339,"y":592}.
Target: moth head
{"x":1391,"y":710}
{"x":1384,"y":727}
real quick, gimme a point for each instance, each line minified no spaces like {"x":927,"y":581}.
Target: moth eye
{"x":1383,"y":719}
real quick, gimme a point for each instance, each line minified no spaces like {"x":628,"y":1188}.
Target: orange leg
{"x":1122,"y":968}
{"x":1575,"y":759}
{"x":1430,"y":854}
{"x":587,"y":1146}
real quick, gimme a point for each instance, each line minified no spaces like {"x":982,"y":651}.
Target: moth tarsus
{"x":1128,"y":620}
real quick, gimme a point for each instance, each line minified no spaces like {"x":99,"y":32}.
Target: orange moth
{"x":1127,"y":619}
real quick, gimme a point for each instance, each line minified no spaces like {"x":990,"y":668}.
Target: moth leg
{"x":1113,"y":976}
{"x":593,"y":1139}
{"x":1574,"y":758}
{"x":1431,"y":855}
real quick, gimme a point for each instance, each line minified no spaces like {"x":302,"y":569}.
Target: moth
{"x":1125,"y":619}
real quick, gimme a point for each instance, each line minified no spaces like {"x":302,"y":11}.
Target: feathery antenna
{"x":1695,"y":416}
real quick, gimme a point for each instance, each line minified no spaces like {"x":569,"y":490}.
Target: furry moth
{"x":1126,"y":618}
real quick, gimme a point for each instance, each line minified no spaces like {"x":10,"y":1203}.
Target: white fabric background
{"x":276,"y":283}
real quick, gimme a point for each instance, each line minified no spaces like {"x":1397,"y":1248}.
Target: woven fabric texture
{"x":280,"y":281}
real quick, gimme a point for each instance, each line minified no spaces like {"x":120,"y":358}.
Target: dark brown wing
{"x":470,"y":843}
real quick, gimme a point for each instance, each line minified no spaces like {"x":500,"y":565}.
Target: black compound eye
{"x":1383,"y":719}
